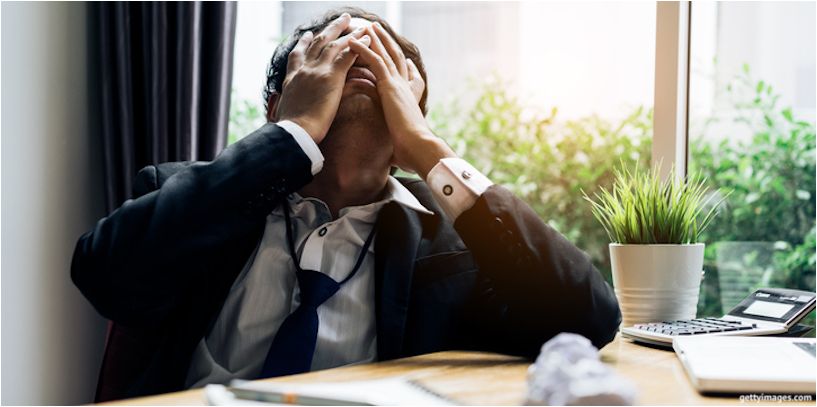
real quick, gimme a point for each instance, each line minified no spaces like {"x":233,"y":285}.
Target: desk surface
{"x":492,"y":379}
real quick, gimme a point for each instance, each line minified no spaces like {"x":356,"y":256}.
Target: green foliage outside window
{"x":545,"y":162}
{"x":245,"y":117}
{"x":769,"y":218}
{"x":772,"y":207}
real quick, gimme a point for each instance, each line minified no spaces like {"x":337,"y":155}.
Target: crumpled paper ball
{"x":569,"y":371}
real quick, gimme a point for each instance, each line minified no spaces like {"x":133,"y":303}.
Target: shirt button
{"x":322,"y":232}
{"x":448,"y":190}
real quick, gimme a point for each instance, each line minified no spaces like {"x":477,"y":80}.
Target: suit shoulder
{"x":145,"y":181}
{"x":152,"y":177}
{"x":167,"y":170}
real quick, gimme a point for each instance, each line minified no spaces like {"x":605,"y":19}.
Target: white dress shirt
{"x":266,"y":290}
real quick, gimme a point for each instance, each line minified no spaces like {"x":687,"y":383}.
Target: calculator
{"x":767,"y":311}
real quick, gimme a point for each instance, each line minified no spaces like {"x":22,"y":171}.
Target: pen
{"x":291,"y":398}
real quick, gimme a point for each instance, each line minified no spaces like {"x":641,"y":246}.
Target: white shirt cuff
{"x":305,"y":141}
{"x":456,"y":185}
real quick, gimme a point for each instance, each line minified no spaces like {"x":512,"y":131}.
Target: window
{"x":548,"y":98}
{"x":257,"y":33}
{"x":536,"y":95}
{"x":751,"y":129}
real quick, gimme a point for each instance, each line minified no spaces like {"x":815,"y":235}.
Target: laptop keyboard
{"x":696,"y":326}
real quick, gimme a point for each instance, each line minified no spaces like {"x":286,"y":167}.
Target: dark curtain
{"x":166,"y":73}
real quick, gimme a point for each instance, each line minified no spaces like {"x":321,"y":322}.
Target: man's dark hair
{"x":277,"y":70}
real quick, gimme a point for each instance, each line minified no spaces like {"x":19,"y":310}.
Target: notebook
{"x":391,"y":391}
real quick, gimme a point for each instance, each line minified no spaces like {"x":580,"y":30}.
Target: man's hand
{"x":316,"y":73}
{"x":400,"y":88}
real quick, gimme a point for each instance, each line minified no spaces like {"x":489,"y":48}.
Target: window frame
{"x":670,"y":144}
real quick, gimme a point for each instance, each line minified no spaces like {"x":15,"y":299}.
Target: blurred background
{"x":546,"y":98}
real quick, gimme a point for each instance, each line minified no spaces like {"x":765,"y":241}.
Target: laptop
{"x":749,"y":365}
{"x":767,"y":311}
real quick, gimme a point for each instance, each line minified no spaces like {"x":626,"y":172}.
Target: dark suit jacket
{"x":160,"y":267}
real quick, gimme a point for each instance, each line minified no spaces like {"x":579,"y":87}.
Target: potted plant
{"x":655,"y":253}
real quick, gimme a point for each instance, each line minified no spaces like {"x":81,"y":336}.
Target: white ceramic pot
{"x":656,"y":282}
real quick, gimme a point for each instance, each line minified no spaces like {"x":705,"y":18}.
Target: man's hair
{"x":277,"y":70}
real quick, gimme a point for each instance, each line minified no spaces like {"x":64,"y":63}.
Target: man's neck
{"x":355,"y":168}
{"x":341,"y":189}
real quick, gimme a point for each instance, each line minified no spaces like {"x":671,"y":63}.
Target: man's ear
{"x":272,"y":106}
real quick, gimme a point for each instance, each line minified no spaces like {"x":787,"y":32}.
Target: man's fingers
{"x":380,"y":50}
{"x":374,"y":61}
{"x":331,"y":50}
{"x":347,"y":58}
{"x":296,"y":56}
{"x":416,"y":81}
{"x":394,"y":50}
{"x":413,"y":72}
{"x":330,"y":33}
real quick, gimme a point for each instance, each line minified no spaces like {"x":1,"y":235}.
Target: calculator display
{"x":774,"y":305}
{"x":768,"y":309}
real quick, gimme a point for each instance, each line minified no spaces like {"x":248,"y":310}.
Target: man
{"x":295,"y":250}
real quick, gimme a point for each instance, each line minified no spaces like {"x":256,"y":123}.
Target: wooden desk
{"x":492,"y":379}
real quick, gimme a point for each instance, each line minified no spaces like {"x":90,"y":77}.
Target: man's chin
{"x":360,"y":87}
{"x":359,"y":104}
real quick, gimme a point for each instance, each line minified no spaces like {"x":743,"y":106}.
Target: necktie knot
{"x":315,"y":287}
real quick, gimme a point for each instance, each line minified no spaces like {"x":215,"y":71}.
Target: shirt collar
{"x":394,"y":192}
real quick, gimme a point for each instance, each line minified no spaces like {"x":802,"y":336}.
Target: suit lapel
{"x":396,"y":245}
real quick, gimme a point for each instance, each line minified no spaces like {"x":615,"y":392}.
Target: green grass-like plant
{"x":643,"y":209}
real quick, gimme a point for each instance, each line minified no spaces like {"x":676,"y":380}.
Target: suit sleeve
{"x":535,"y":283}
{"x":135,"y":264}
